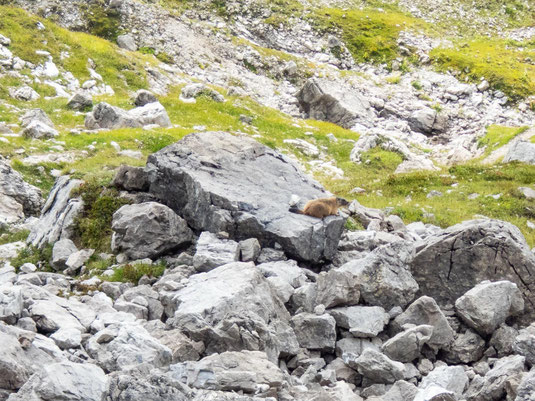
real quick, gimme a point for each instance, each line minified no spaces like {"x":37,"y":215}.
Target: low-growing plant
{"x":133,"y":272}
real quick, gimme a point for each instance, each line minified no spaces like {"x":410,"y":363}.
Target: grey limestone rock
{"x":201,"y":178}
{"x":105,"y":116}
{"x":60,"y":253}
{"x":451,"y":378}
{"x":127,"y":41}
{"x":379,"y":368}
{"x":213,"y":252}
{"x":81,"y":100}
{"x":407,"y":345}
{"x":361,"y":321}
{"x":131,"y":178}
{"x":326,"y":100}
{"x":143,"y":97}
{"x":148,"y":230}
{"x":315,"y":332}
{"x":455,"y":260}
{"x":521,"y":151}
{"x":488,"y":305}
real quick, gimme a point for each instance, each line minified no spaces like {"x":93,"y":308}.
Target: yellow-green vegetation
{"x":506,"y":65}
{"x":133,"y":272}
{"x":7,"y":236}
{"x":102,"y":21}
{"x":369,"y":34}
{"x":93,"y":226}
{"x":498,"y":136}
{"x":119,"y":69}
{"x":39,"y":257}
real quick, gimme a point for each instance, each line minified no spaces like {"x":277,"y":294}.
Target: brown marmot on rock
{"x":321,"y":208}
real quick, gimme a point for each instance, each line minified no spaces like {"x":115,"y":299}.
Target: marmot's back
{"x":321,"y":208}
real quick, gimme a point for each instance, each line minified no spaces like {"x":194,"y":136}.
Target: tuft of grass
{"x":102,"y":21}
{"x":7,"y":236}
{"x":39,"y":257}
{"x":133,"y":272}
{"x":93,"y":226}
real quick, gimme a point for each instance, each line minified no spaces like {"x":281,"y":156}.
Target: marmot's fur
{"x":321,"y":208}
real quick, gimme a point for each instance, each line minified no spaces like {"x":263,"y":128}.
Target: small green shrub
{"x":39,"y":257}
{"x":102,"y":22}
{"x":132,"y":273}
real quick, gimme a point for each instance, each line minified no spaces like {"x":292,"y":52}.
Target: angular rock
{"x":502,"y":340}
{"x":467,"y":347}
{"x":361,"y":321}
{"x":201,"y":178}
{"x":24,"y":93}
{"x":67,"y":338}
{"x":451,"y":378}
{"x":426,"y":311}
{"x":520,"y":151}
{"x":35,"y":115}
{"x":488,"y":305}
{"x":337,"y":288}
{"x":378,"y":368}
{"x":81,"y":100}
{"x":58,"y":214}
{"x":193,"y":91}
{"x":14,"y":189}
{"x":143,"y":97}
{"x":315,"y":332}
{"x":326,"y":100}
{"x":426,"y":121}
{"x":125,"y":345}
{"x":131,"y":178}
{"x":452,"y":262}
{"x":400,"y":391}
{"x":249,"y":250}
{"x":38,"y":130}
{"x":105,"y":116}
{"x":77,"y":259}
{"x":434,"y":393}
{"x":148,"y":230}
{"x":526,"y":390}
{"x":234,"y":295}
{"x":524,"y":344}
{"x":384,"y":276}
{"x":60,"y":253}
{"x":11,"y":303}
{"x":127,"y":42}
{"x":50,"y":317}
{"x":247,"y":371}
{"x":213,"y":252}
{"x":407,"y":345}
{"x":491,"y":387}
{"x":65,"y":381}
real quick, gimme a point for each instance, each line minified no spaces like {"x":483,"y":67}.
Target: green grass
{"x":39,"y":257}
{"x":504,"y":64}
{"x":369,"y":34}
{"x":133,"y":272}
{"x":7,"y":236}
{"x":498,"y":136}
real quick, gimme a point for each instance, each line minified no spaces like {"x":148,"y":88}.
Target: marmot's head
{"x":341,"y":202}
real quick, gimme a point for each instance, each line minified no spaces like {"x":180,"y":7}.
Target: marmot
{"x":321,"y":208}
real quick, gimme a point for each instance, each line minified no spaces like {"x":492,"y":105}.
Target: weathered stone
{"x":467,"y":347}
{"x":143,"y":97}
{"x":110,"y":117}
{"x":491,"y":387}
{"x":58,"y":214}
{"x":67,"y":338}
{"x":201,"y":178}
{"x":234,"y":295}
{"x":434,"y":393}
{"x":131,"y":178}
{"x":24,"y":197}
{"x":121,"y":346}
{"x":427,"y":121}
{"x":378,"y":368}
{"x":452,"y":262}
{"x":127,"y":41}
{"x":361,"y":321}
{"x":426,"y":311}
{"x":65,"y":381}
{"x":407,"y":345}
{"x":521,"y":151}
{"x":38,"y":130}
{"x":315,"y":332}
{"x":148,"y":230}
{"x":192,"y":91}
{"x":526,"y":389}
{"x":249,"y":250}
{"x":81,"y":100}
{"x":326,"y":100}
{"x":451,"y":378}
{"x":337,"y":288}
{"x":213,"y":252}
{"x":24,"y":93}
{"x":77,"y":259}
{"x":524,"y":344}
{"x":60,"y":253}
{"x":502,"y":340}
{"x":488,"y":305}
{"x":384,"y":276}
{"x":247,"y":371}
{"x":11,"y":303}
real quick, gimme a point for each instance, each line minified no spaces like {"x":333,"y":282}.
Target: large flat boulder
{"x":326,"y":100}
{"x":520,"y":151}
{"x":455,"y":260}
{"x":105,"y":116}
{"x":220,"y":182}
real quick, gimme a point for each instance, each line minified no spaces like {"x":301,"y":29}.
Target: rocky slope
{"x":150,"y":152}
